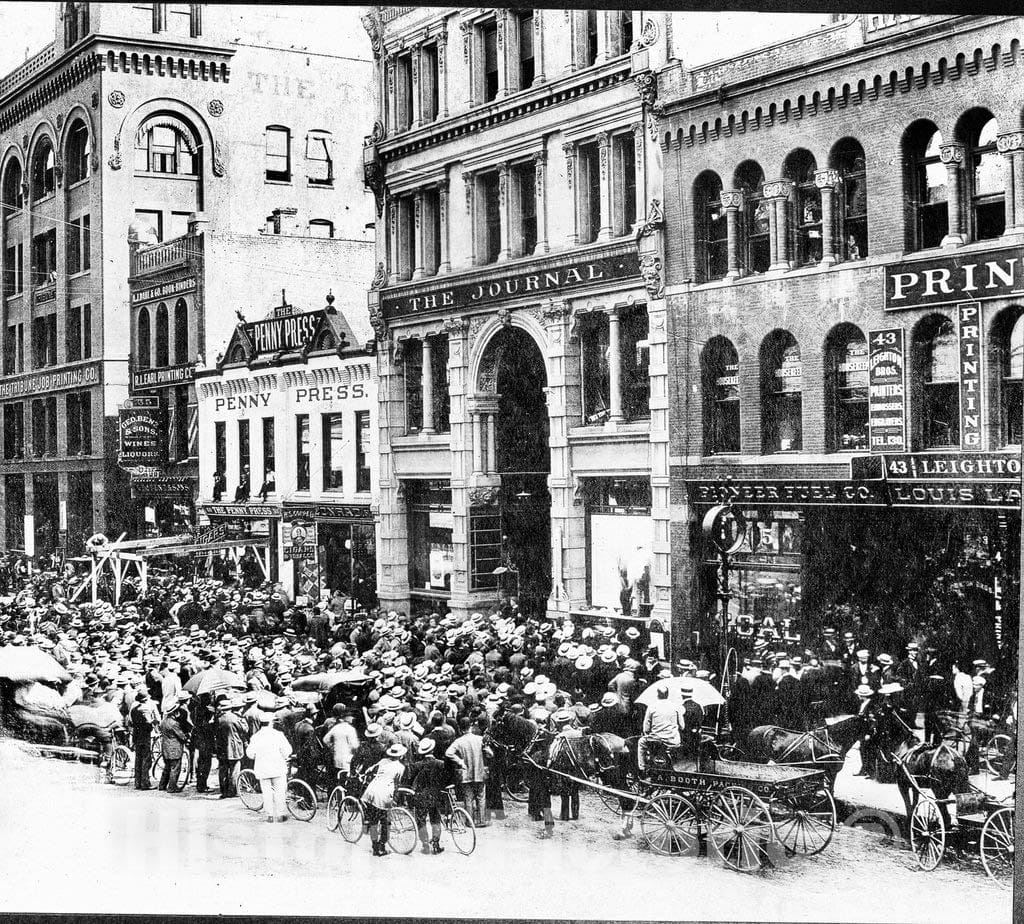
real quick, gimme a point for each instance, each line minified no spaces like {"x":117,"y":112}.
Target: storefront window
{"x":485,"y":547}
{"x":348,"y":560}
{"x":937,"y":365}
{"x":1012,"y":385}
{"x":220,"y":444}
{"x":594,"y":360}
{"x":848,"y":389}
{"x":620,"y":543}
{"x":243,"y":460}
{"x":781,"y":393}
{"x":46,"y":514}
{"x":721,"y":391}
{"x":363,"y":442}
{"x":439,"y":371}
{"x":431,"y":552}
{"x":635,"y":362}
{"x":333,"y":448}
{"x":302,"y":452}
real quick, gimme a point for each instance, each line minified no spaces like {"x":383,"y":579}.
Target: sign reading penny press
{"x":143,"y":440}
{"x":511,"y":285}
{"x":887,"y":407}
{"x":969,"y":331}
{"x":947,"y":280}
{"x":287,"y":334}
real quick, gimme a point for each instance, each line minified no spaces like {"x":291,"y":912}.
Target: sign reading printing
{"x":969,"y":330}
{"x":283,"y":334}
{"x":887,"y":408}
{"x":945,"y":280}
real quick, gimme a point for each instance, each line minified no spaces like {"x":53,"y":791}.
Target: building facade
{"x":125,"y":146}
{"x":845,"y":221}
{"x":519,"y":312}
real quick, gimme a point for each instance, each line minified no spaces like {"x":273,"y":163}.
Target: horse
{"x":822,"y":748}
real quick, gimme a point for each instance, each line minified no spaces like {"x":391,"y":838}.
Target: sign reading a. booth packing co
{"x":503,"y":286}
{"x":143,"y":439}
{"x":956,"y":278}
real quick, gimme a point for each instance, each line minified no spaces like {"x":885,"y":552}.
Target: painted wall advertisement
{"x":887,"y":399}
{"x":143,"y":440}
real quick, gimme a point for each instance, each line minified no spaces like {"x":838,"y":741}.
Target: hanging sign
{"x":887,"y":408}
{"x":143,"y":440}
{"x":968,"y":317}
{"x":949,"y":279}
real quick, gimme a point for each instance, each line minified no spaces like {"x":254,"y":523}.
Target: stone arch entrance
{"x":513,"y":461}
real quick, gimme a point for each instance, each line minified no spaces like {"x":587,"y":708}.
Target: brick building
{"x":143,"y":204}
{"x":518,"y":310}
{"x":845,"y":218}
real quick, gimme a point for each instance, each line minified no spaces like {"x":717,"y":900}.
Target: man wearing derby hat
{"x":230,"y":737}
{"x":429,"y":777}
{"x":144,"y":718}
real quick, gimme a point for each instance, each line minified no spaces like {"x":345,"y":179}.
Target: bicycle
{"x":300,"y":799}
{"x":458,"y":823}
{"x":402,"y":830}
{"x":157,"y":766}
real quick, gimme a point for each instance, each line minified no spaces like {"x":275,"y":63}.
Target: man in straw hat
{"x":269,"y":751}
{"x":379,"y":796}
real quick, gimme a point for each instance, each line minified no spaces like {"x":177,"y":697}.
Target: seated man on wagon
{"x":663,"y":725}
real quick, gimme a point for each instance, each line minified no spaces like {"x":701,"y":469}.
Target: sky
{"x":23,"y":26}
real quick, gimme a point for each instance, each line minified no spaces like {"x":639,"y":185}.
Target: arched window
{"x":162,"y":357}
{"x":926,"y":186}
{"x":78,"y":153}
{"x":42,"y":170}
{"x":180,"y":331}
{"x":321,"y":227}
{"x":749,"y":177}
{"x":983,"y":175}
{"x":166,"y":144}
{"x":143,"y":352}
{"x":937,"y":377}
{"x":781,"y":393}
{"x":719,"y":365}
{"x":76,"y":22}
{"x":805,"y":203}
{"x":13,"y":193}
{"x":1009,"y":344}
{"x":711,"y":237}
{"x":846,"y":383}
{"x":848,"y":159}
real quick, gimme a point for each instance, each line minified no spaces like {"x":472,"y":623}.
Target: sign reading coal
{"x":887,"y":401}
{"x":143,"y":441}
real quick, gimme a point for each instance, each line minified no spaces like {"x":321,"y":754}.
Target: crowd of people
{"x":434,"y":683}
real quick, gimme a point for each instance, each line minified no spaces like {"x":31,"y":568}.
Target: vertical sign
{"x":887,"y":407}
{"x":968,"y":317}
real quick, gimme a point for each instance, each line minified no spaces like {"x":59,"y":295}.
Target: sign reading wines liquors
{"x":887,"y":407}
{"x":143,"y":440}
{"x":969,"y":331}
{"x":945,"y":280}
{"x":511,"y":285}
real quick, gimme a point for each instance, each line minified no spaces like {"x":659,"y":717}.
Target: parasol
{"x":28,"y":664}
{"x":703,"y":693}
{"x":192,"y":684}
{"x":216,"y":678}
{"x":321,"y":683}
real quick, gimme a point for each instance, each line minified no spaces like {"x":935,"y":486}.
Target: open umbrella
{"x":322,"y":682}
{"x":216,"y":678}
{"x":703,"y":693}
{"x":28,"y":664}
{"x":192,"y":685}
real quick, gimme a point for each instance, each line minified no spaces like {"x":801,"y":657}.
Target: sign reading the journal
{"x":285,"y":334}
{"x":945,"y":280}
{"x":887,"y":414}
{"x":968,"y":327}
{"x":512,"y":285}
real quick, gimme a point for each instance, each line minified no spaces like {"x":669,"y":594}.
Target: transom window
{"x":165,"y":145}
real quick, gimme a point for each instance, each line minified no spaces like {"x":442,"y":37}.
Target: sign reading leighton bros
{"x":887,"y":414}
{"x":957,"y":278}
{"x":512,"y":285}
{"x":948,"y":466}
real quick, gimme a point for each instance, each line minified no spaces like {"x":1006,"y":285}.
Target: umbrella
{"x":321,"y":683}
{"x":703,"y":693}
{"x":216,"y":678}
{"x":192,"y":685}
{"x":28,"y":664}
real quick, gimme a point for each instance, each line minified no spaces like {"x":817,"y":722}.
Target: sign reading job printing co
{"x":182,"y":374}
{"x":511,"y":285}
{"x":887,"y":409}
{"x":969,"y":334}
{"x":79,"y":377}
{"x":143,"y":440}
{"x":956,"y":278}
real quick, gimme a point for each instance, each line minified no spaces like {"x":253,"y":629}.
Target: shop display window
{"x":635,"y":362}
{"x":936,"y":364}
{"x":1011,"y":386}
{"x":431,"y":550}
{"x":721,"y":392}
{"x":781,"y":393}
{"x":594,"y":360}
{"x":847,"y":352}
{"x":485,"y":547}
{"x":620,"y":540}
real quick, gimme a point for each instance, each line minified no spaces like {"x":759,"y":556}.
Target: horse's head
{"x":509,"y":730}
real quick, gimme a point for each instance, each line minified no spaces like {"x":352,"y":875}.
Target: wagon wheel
{"x":249,"y":790}
{"x":630,"y":784}
{"x":994,"y":752}
{"x":515,"y":782}
{"x":927,"y":833}
{"x":301,"y":800}
{"x":740,"y":829}
{"x":350,"y":819}
{"x":333,"y":810}
{"x":671,"y":825}
{"x":804,"y":823}
{"x":729,"y":752}
{"x":997,"y":845}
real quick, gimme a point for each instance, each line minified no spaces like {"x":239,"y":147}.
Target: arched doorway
{"x":512,"y":370}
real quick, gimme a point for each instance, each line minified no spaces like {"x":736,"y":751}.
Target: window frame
{"x":843,"y":400}
{"x":275,"y":175}
{"x":780,"y":406}
{"x":332,"y":466}
{"x":721,"y":400}
{"x":325,"y":139}
{"x":920,"y":161}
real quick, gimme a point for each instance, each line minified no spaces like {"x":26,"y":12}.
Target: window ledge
{"x":419,"y":440}
{"x":80,"y":273}
{"x":270,"y":182}
{"x":315,"y":184}
{"x":79,"y":183}
{"x":602,"y":433}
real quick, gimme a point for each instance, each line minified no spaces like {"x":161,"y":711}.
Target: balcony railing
{"x":20,"y":74}
{"x":158,"y":257}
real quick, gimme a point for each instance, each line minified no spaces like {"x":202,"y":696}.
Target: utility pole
{"x":1018,"y":856}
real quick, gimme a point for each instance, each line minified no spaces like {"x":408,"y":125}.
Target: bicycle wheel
{"x":994,"y":751}
{"x":350,"y":819}
{"x":402,"y":835}
{"x":249,"y":790}
{"x":333,"y":810}
{"x":184,"y":770}
{"x":156,"y":767}
{"x":121,"y":764}
{"x":301,"y":800}
{"x":515,"y":782}
{"x":463,"y":831}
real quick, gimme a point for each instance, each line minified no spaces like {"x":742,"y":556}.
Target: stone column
{"x":392,"y":101}
{"x":773,"y":218}
{"x":427,"y":380}
{"x":777,"y":195}
{"x":640,"y":170}
{"x":416,"y":102}
{"x":827,"y":181}
{"x":504,"y":211}
{"x":952,"y":155}
{"x":469,"y":179}
{"x":538,"y":46}
{"x":501,"y":28}
{"x":569,"y":150}
{"x":492,"y":456}
{"x":1011,"y":146}
{"x":445,"y":266}
{"x":614,"y":368}
{"x":442,"y":73}
{"x":468,"y":56}
{"x":604,"y":156}
{"x":478,"y":444}
{"x":392,"y":241}
{"x":419,"y":256}
{"x":732,"y":202}
{"x":460,"y":439}
{"x":540,"y":162}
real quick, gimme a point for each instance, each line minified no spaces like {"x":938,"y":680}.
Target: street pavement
{"x":72,"y":844}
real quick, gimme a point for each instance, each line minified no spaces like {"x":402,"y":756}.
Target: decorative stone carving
{"x":732,"y":198}
{"x":218,"y":163}
{"x":376,"y":135}
{"x":647,"y":86}
{"x":655,"y":220}
{"x":456,"y":327}
{"x":569,"y":150}
{"x":650,"y":272}
{"x":777,"y":189}
{"x":603,"y":144}
{"x":504,"y":316}
{"x":502,"y":184}
{"x":115,"y":158}
{"x":373,"y":179}
{"x":650,"y":34}
{"x":58,"y":169}
{"x":469,"y":179}
{"x":377,"y":320}
{"x":60,"y":120}
{"x":380,"y":277}
{"x":215,"y":107}
{"x":952,"y":153}
{"x":1011,"y":141}
{"x":115,"y":98}
{"x":466,"y":29}
{"x":827,"y":179}
{"x":95,"y":99}
{"x":555,"y":312}
{"x":94,"y":161}
{"x":484,"y":497}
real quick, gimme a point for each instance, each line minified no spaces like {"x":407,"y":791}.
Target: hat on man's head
{"x":425,"y":746}
{"x":373,"y":730}
{"x":609,"y":699}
